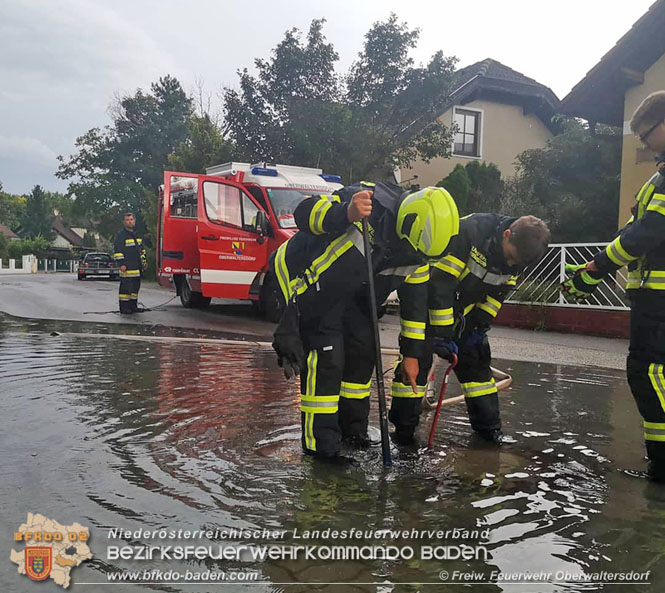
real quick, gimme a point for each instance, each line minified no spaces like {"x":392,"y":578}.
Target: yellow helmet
{"x":427,"y":219}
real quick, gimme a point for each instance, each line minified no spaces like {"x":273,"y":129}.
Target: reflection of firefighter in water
{"x":130,"y":257}
{"x":466,"y":290}
{"x":640,"y":245}
{"x":326,"y":330}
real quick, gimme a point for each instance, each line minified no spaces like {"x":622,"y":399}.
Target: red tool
{"x":444,"y":385}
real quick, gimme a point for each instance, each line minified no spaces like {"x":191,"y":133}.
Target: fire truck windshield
{"x":284,"y":201}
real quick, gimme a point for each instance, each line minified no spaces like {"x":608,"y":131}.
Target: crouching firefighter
{"x":465,"y":292}
{"x":326,"y":333}
{"x":640,"y":245}
{"x":130,"y":257}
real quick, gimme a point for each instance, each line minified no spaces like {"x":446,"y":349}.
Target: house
{"x":8,"y":233}
{"x":499,"y":114}
{"x":615,"y":86}
{"x":65,"y":237}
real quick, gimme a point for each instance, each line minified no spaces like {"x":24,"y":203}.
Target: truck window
{"x":284,"y":202}
{"x":183,"y":197}
{"x":249,"y":210}
{"x":222,"y":203}
{"x":257,"y":192}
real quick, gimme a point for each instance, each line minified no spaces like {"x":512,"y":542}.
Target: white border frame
{"x":480,"y":132}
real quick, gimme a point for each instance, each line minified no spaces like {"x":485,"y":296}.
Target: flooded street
{"x":149,"y":434}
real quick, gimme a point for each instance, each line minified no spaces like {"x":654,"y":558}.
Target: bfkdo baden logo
{"x":51,"y":549}
{"x":38,"y":562}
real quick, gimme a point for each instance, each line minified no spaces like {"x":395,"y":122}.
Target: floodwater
{"x":156,"y":435}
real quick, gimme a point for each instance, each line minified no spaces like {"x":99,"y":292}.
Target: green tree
{"x":4,"y":247}
{"x":204,"y":146}
{"x":574,"y":180}
{"x":459,"y":186}
{"x":486,"y":186}
{"x":113,"y":166}
{"x":38,"y":216}
{"x":381,"y":114}
{"x":12,"y":208}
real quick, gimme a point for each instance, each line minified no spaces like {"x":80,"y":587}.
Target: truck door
{"x":231,"y":250}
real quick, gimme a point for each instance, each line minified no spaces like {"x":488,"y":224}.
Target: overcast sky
{"x":62,"y":61}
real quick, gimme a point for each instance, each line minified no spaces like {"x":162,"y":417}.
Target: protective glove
{"x":445,"y":348}
{"x":287,"y":343}
{"x":580,"y":284}
{"x":475,"y":338}
{"x":144,"y":262}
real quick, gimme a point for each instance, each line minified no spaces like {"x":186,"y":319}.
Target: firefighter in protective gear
{"x":466,"y":290}
{"x":640,"y":245}
{"x":130,"y":257}
{"x":326,"y":331}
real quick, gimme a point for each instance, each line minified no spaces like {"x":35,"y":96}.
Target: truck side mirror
{"x":261,"y":224}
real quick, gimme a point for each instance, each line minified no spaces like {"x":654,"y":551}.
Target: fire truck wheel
{"x":271,"y":300}
{"x":191,"y":299}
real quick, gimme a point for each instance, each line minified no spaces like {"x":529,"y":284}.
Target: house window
{"x":467,"y":136}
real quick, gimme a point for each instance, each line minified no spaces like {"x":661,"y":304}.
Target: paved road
{"x":62,"y":296}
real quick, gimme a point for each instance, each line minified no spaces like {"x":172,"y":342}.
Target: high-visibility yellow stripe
{"x":656,"y":425}
{"x":441,"y":316}
{"x":451,"y":265}
{"x":469,"y":308}
{"x":401,"y":390}
{"x":414,"y":330}
{"x":317,"y":215}
{"x":478,"y":389}
{"x":418,"y":276}
{"x":355,"y":390}
{"x":657,"y":204}
{"x":282,"y":272}
{"x":130,"y":242}
{"x":618,"y":254}
{"x":118,"y":255}
{"x":464,"y":274}
{"x":130,"y":273}
{"x":658,"y":382}
{"x":337,"y":248}
{"x":654,"y":431}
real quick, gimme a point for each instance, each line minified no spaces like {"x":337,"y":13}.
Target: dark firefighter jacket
{"x":129,"y":251}
{"x":640,"y":244}
{"x":472,"y":278}
{"x":328,"y":244}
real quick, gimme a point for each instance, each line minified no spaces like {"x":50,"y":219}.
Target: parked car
{"x":98,"y":264}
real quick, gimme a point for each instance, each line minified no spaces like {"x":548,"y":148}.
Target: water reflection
{"x":139,"y":434}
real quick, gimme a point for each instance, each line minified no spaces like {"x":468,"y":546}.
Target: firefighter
{"x":465,"y":292}
{"x":130,"y":257}
{"x":325,"y":333}
{"x":640,"y":245}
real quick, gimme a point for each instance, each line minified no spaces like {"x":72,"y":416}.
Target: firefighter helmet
{"x":427,"y":219}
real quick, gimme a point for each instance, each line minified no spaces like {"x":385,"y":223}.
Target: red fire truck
{"x":217,"y":230}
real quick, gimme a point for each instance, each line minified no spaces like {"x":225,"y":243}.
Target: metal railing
{"x":540,"y":283}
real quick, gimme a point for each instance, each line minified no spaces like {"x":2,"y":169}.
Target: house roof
{"x":7,"y":232}
{"x":599,"y":96}
{"x":493,"y":81}
{"x":64,"y":231}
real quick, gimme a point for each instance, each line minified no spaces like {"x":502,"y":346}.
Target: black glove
{"x":287,"y":343}
{"x":474,"y":338}
{"x":445,"y":348}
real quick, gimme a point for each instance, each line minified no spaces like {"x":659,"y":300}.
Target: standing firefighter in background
{"x":130,"y":256}
{"x":326,"y":333}
{"x":640,"y":245}
{"x":466,"y":290}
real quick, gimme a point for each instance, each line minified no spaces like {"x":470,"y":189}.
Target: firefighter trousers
{"x":474,"y":374}
{"x":128,"y":291}
{"x":338,"y":339}
{"x":645,"y":370}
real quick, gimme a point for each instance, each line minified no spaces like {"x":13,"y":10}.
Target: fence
{"x":540,"y":283}
{"x":26,"y":265}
